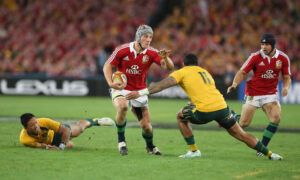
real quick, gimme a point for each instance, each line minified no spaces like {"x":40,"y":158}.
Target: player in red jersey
{"x":261,"y":89}
{"x":134,"y":59}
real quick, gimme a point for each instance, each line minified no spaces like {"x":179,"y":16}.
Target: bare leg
{"x":78,"y":127}
{"x":247,"y":114}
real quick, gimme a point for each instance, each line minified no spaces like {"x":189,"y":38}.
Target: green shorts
{"x":58,"y":137}
{"x":221,"y":116}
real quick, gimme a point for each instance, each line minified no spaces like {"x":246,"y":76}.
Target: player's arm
{"x":65,"y":136}
{"x":286,"y":84}
{"x":238,"y":78}
{"x":108,"y":71}
{"x":166,"y":62}
{"x":153,"y":88}
{"x":40,"y":145}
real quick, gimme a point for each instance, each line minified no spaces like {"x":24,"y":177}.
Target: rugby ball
{"x":119,"y":77}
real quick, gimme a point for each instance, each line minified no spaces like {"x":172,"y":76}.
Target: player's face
{"x":32,"y":126}
{"x":266,"y":48}
{"x":146,"y":40}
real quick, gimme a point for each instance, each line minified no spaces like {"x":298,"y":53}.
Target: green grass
{"x":95,"y":153}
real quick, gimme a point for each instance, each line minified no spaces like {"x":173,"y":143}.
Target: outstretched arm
{"x":153,"y":88}
{"x":238,"y":78}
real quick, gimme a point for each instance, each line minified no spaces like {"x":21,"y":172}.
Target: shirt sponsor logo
{"x":268,"y":74}
{"x":278,"y":64}
{"x":134,"y":69}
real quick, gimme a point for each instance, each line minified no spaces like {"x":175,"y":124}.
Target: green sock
{"x":92,"y":123}
{"x":268,"y":133}
{"x":261,"y":148}
{"x":121,"y":131}
{"x":148,"y":139}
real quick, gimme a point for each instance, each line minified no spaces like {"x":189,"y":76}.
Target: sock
{"x":261,"y":148}
{"x":268,"y":133}
{"x":191,"y":143}
{"x":148,"y":139}
{"x":121,"y":132}
{"x":92,"y":123}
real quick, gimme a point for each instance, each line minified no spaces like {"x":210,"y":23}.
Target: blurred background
{"x":71,"y":40}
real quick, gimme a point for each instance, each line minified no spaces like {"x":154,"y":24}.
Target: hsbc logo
{"x":268,"y":74}
{"x":49,"y":87}
{"x":134,"y":69}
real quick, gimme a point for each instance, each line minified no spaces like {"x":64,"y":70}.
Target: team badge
{"x":278,"y":64}
{"x":145,"y":59}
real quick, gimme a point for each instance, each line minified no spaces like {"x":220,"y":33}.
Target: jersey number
{"x":205,"y":78}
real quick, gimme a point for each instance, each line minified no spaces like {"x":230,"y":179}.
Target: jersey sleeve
{"x":177,"y":75}
{"x":27,"y":140}
{"x":157,"y":58}
{"x":286,"y":69}
{"x":49,"y":123}
{"x":249,"y":64}
{"x":114,"y":58}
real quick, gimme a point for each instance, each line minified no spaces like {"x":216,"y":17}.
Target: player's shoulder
{"x":123,"y":47}
{"x":44,"y":121}
{"x":152,"y":49}
{"x":254,"y":55}
{"x":283,"y":55}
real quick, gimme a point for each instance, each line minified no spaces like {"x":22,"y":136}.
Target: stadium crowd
{"x":73,"y":38}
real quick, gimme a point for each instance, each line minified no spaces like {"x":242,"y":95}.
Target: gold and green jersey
{"x":48,"y":128}
{"x":200,"y":87}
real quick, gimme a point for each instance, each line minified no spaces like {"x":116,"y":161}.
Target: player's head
{"x":266,"y":40}
{"x":144,"y":35}
{"x":190,"y":60}
{"x":29,"y":122}
{"x":25,"y":118}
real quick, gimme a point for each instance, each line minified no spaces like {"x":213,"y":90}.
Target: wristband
{"x":143,"y":92}
{"x":62,"y":146}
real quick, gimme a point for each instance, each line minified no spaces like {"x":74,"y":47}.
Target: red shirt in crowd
{"x":266,"y":72}
{"x":134,"y":66}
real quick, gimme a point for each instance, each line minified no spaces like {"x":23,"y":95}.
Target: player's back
{"x":200,"y":88}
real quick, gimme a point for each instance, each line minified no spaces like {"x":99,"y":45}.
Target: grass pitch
{"x":95,"y":154}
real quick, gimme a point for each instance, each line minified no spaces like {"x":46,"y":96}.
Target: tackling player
{"x":261,"y":89}
{"x":207,"y":104}
{"x":49,"y":134}
{"x":134,"y":60}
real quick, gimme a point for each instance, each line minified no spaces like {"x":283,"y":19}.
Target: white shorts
{"x":139,"y":102}
{"x":259,"y":101}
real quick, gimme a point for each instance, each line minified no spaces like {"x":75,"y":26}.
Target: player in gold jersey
{"x":49,"y":134}
{"x":207,"y":104}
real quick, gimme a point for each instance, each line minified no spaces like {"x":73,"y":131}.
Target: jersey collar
{"x":265,"y":56}
{"x":134,"y":51}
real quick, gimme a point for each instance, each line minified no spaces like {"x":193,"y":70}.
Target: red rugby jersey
{"x":135,"y":66}
{"x":266,"y":72}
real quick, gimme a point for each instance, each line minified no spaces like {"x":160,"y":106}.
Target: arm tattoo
{"x":161,"y":85}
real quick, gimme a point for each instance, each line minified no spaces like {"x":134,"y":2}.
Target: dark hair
{"x":25,"y":118}
{"x":269,"y":39}
{"x":190,"y":60}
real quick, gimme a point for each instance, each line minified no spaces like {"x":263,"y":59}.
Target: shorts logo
{"x":145,"y":59}
{"x":134,"y":69}
{"x":278,"y":64}
{"x":268,"y":74}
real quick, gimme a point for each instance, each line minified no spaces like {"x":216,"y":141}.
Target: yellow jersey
{"x":48,"y":128}
{"x":200,"y":87}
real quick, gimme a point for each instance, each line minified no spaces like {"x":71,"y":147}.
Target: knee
{"x":122,"y":107}
{"x":276,"y":119}
{"x":146,"y":127}
{"x":243,"y":124}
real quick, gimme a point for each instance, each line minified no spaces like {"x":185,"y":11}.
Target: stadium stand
{"x":73,"y":38}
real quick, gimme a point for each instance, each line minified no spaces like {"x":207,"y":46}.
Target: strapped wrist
{"x":62,"y":146}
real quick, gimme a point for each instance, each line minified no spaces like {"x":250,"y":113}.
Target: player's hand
{"x":284,"y":92}
{"x":231,"y":88}
{"x":132,"y":95}
{"x":164,"y":53}
{"x":50,"y":147}
{"x":117,"y":85}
